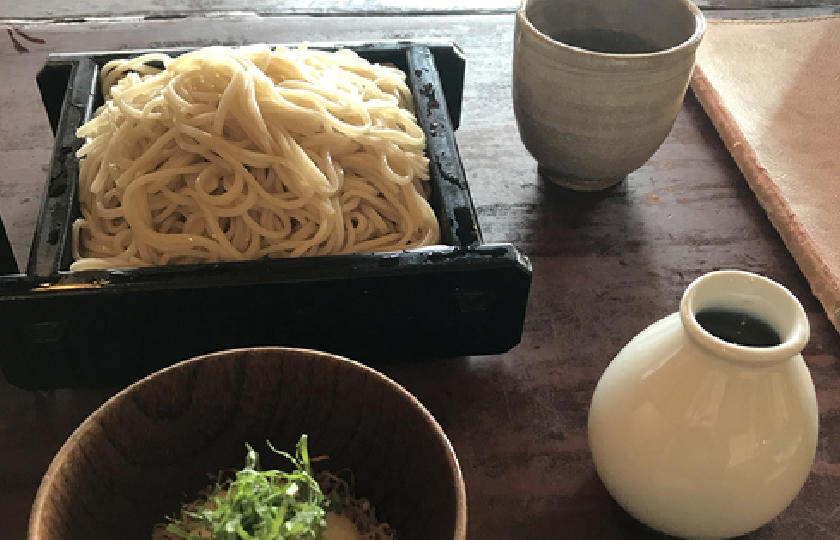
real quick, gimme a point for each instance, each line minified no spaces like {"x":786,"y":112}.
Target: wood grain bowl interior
{"x":151,"y":447}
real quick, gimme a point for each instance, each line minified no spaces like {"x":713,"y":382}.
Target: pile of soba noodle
{"x":233,"y":154}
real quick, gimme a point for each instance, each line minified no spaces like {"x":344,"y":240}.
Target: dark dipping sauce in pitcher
{"x":738,"y":327}
{"x":604,"y":40}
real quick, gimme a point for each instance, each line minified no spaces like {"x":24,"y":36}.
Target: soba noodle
{"x":232,"y":154}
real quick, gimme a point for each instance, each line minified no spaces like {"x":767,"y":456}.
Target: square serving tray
{"x":84,"y":329}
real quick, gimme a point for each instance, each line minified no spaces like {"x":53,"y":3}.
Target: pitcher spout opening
{"x":744,"y":317}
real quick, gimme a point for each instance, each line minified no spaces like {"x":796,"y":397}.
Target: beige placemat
{"x":772,"y":90}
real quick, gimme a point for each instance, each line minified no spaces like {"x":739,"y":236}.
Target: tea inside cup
{"x":615,"y":27}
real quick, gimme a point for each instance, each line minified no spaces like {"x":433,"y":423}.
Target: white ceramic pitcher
{"x":699,"y":436}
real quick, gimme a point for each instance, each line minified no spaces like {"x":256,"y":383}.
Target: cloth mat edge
{"x":824,"y":284}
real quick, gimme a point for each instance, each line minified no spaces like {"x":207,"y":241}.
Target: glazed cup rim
{"x":793,"y":341}
{"x":692,"y":42}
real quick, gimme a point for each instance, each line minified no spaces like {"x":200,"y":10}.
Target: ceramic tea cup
{"x":597,"y":85}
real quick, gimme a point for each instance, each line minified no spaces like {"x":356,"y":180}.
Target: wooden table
{"x":605,"y":266}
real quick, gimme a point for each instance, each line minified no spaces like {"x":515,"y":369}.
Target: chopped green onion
{"x":261,"y":505}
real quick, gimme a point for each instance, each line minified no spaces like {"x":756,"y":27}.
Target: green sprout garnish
{"x":261,"y":505}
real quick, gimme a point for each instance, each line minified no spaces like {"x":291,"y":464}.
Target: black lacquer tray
{"x":74,"y":329}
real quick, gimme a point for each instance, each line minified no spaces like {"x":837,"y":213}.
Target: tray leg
{"x":8,"y":264}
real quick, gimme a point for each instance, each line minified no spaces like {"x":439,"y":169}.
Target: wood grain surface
{"x":56,"y":10}
{"x":605,"y":266}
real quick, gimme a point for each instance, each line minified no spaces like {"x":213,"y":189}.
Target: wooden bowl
{"x":151,"y":447}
